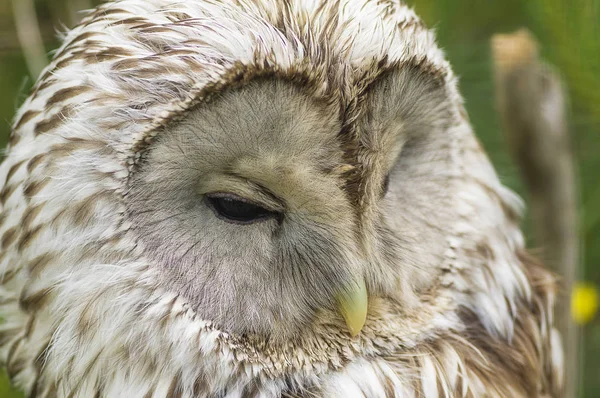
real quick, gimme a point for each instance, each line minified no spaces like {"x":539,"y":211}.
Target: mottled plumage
{"x":343,"y":120}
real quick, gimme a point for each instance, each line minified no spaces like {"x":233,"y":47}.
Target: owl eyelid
{"x":233,"y":196}
{"x":241,"y":188}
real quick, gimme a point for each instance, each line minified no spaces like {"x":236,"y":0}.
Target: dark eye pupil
{"x":237,"y":210}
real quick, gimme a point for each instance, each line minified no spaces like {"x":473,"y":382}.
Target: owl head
{"x":210,"y":196}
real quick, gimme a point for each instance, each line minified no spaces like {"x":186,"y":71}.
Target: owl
{"x":262,"y":198}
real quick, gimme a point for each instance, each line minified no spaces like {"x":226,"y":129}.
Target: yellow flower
{"x":584,"y":303}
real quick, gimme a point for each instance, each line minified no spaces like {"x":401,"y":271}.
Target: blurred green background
{"x":569,"y":33}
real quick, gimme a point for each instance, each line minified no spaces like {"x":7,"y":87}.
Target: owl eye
{"x":235,"y":209}
{"x":386,"y":185}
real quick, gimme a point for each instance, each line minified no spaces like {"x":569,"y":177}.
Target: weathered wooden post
{"x":531,"y":102}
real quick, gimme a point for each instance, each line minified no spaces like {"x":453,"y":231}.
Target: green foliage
{"x":569,"y":33}
{"x":6,"y":391}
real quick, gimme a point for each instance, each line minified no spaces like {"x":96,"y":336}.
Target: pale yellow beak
{"x":353,"y":305}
